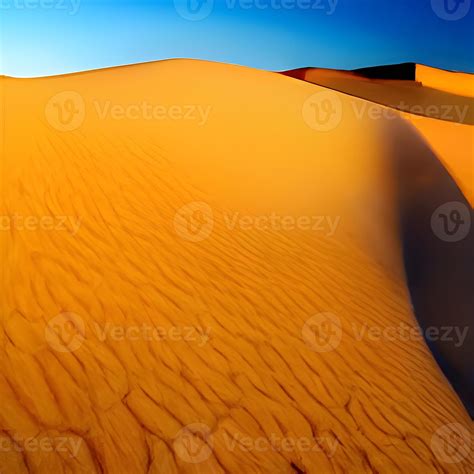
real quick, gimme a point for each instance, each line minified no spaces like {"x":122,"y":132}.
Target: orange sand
{"x":439,"y":105}
{"x":455,"y":82}
{"x":244,"y":353}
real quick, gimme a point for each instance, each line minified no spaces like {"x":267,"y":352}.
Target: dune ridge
{"x":437,"y":103}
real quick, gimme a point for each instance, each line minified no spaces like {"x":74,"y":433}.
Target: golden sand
{"x":455,"y":82}
{"x":117,"y":223}
{"x":439,"y":105}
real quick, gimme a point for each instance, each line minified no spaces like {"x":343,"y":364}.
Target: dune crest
{"x":454,"y":82}
{"x":437,"y":103}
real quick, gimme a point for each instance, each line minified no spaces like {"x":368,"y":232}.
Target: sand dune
{"x":455,"y":82}
{"x":200,"y":276}
{"x":438,"y":103}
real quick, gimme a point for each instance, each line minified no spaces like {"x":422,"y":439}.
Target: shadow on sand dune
{"x":438,"y":247}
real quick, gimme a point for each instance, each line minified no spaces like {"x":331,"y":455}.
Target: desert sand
{"x":455,"y":82}
{"x":208,"y":201}
{"x":438,"y":103}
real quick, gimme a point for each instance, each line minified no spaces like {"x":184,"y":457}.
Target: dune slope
{"x":198,"y":276}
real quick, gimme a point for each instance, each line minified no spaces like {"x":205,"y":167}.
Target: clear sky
{"x":43,"y":37}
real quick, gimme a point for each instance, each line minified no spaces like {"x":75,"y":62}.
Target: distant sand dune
{"x":439,"y":104}
{"x":136,"y":222}
{"x":455,"y":82}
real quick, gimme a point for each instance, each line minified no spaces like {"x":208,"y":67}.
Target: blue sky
{"x":43,"y":37}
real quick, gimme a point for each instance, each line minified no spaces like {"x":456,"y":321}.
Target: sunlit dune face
{"x":209,"y":279}
{"x":438,"y":104}
{"x":455,"y":82}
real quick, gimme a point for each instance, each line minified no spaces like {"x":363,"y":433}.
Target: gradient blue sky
{"x":43,"y":37}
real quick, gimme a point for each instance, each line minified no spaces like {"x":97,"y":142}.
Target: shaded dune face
{"x":221,"y":293}
{"x":440,"y":271}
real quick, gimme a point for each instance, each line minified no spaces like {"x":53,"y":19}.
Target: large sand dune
{"x":207,"y":201}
